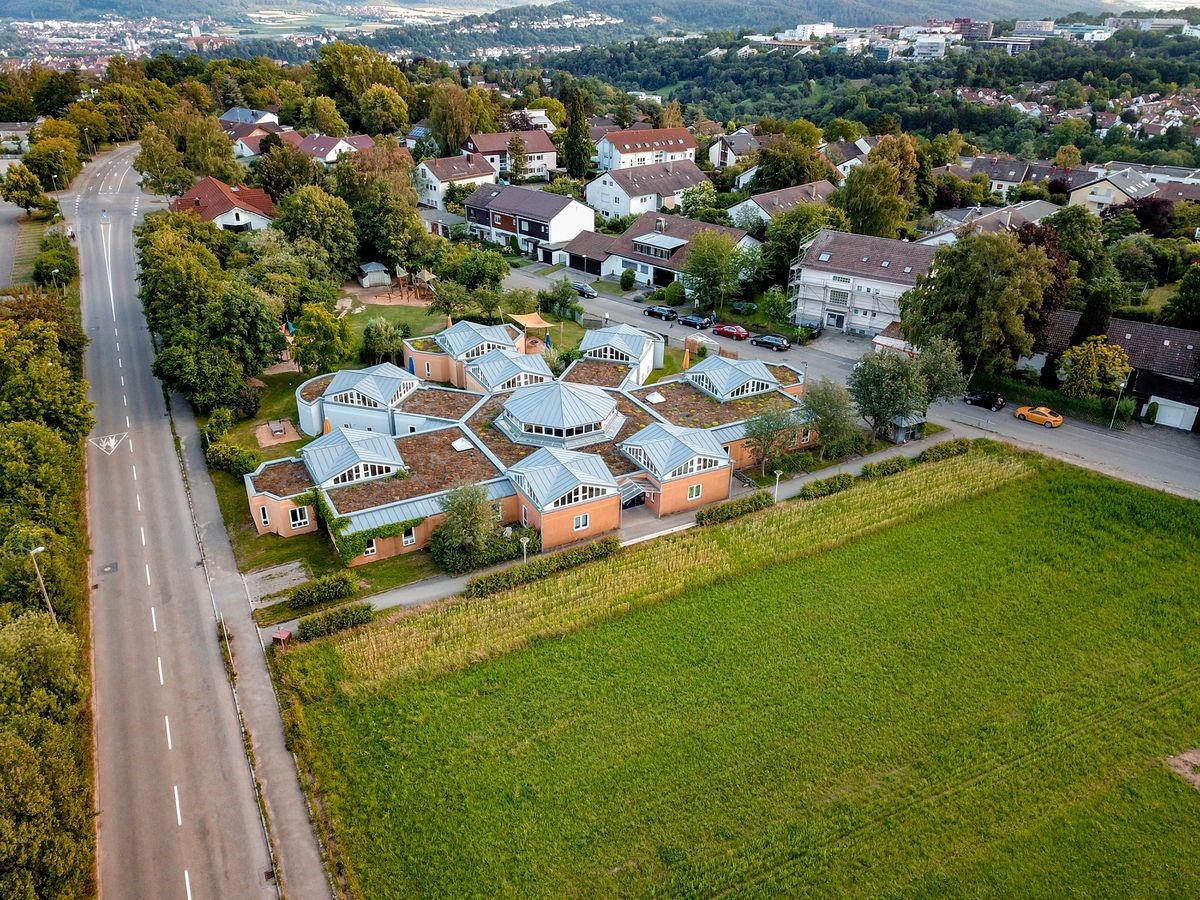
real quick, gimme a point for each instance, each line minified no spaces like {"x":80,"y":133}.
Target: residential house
{"x":731,"y":149}
{"x":240,"y":115}
{"x":326,"y":149}
{"x":432,"y":177}
{"x":853,"y":282}
{"x":656,"y":246}
{"x":987,"y":220}
{"x":505,"y":214}
{"x":623,"y":192}
{"x":540,"y":153}
{"x":644,"y":147}
{"x":1003,"y":172}
{"x":685,"y":467}
{"x":586,"y":252}
{"x":419,"y":132}
{"x":845,"y":155}
{"x":230,"y":207}
{"x":1114,"y":189}
{"x":249,"y":146}
{"x":766,"y":207}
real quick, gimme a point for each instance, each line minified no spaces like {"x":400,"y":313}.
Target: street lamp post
{"x":54,"y":276}
{"x":524,"y":548}
{"x":778,"y":472}
{"x":41,"y":583}
{"x":1117,"y":405}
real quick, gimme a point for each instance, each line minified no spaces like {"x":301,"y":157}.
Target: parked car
{"x":990,"y":399}
{"x":694,"y":321}
{"x":774,"y":341}
{"x":584,"y":290}
{"x":661,"y":312}
{"x":1039,"y":415}
{"x":744,"y":308}
{"x":736,"y":332}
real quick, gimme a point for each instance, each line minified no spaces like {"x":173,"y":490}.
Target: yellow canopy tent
{"x":534,"y":320}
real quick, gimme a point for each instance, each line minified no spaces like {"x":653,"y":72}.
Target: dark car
{"x":990,"y":399}
{"x":744,"y":308}
{"x":661,"y":312}
{"x":584,"y":290}
{"x":774,"y":341}
{"x":694,"y":321}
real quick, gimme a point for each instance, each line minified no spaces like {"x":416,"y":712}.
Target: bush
{"x":674,"y":294}
{"x":498,"y":549}
{"x":247,"y":401}
{"x":826,"y":486}
{"x":627,"y":277}
{"x":326,"y":623}
{"x":56,"y":240}
{"x":656,"y":297}
{"x":1124,"y":410}
{"x":797,"y":461}
{"x":852,"y":444}
{"x":47,"y":261}
{"x":226,"y":457}
{"x":731,"y":509}
{"x":219,"y":424}
{"x":320,"y":591}
{"x":1152,"y":413}
{"x":944,"y":450}
{"x":523,"y":573}
{"x":882,"y":469}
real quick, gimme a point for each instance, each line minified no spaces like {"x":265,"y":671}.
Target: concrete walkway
{"x":300,"y":870}
{"x":639,"y":525}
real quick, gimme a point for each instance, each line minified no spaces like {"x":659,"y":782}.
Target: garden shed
{"x":373,"y":274}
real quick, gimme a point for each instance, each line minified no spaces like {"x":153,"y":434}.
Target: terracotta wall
{"x":743,"y":456}
{"x":279,"y":519}
{"x":441,"y":367}
{"x":557,"y":526}
{"x":394,"y":546}
{"x":714,"y":486}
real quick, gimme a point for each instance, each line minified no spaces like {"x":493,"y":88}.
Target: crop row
{"x":457,"y":634}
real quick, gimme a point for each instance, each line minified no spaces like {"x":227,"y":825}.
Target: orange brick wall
{"x":394,"y":546}
{"x":441,"y":367}
{"x":280,"y":522}
{"x":714,"y":486}
{"x":743,"y":456}
{"x":557,"y":527}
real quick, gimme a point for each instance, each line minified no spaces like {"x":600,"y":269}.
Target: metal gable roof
{"x":498,"y":366}
{"x":418,"y":507}
{"x":463,"y":336}
{"x":548,"y":473}
{"x":379,"y":383}
{"x":560,"y":404}
{"x":727,"y":375}
{"x":334,"y":453}
{"x":670,"y":446}
{"x":623,"y":337}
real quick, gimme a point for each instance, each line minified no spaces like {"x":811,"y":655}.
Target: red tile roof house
{"x":249,"y":146}
{"x":326,"y":149}
{"x":540,"y":153}
{"x":231,"y":208}
{"x":644,"y":147}
{"x":432,"y":177}
{"x":622,"y":192}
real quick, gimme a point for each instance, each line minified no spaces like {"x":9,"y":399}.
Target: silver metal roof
{"x":727,"y":375}
{"x":548,"y":473}
{"x":463,"y":336}
{"x":669,"y":446}
{"x":497,"y":366}
{"x":662,"y":241}
{"x":334,"y":453}
{"x":381,"y":383}
{"x":560,"y":404}
{"x":417,"y":507}
{"x":623,"y":337}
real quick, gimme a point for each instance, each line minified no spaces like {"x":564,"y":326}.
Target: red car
{"x":737,"y":332}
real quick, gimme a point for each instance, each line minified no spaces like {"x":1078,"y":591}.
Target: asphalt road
{"x":177,"y":809}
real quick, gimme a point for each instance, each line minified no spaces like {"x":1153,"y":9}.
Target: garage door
{"x":1170,"y":416}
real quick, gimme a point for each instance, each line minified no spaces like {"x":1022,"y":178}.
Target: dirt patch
{"x":1187,"y":766}
{"x":284,"y":478}
{"x":395,"y":295}
{"x":265,"y":438}
{"x":266,"y":584}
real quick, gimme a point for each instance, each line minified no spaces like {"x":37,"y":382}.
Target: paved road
{"x":8,"y":235}
{"x":177,"y":809}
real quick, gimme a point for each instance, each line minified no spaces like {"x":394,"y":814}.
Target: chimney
{"x":660,"y":225}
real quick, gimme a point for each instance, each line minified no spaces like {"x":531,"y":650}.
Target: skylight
{"x":885,"y":264}
{"x":461,"y":444}
{"x":824,"y":257}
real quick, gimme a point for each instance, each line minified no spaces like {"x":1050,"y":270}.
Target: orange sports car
{"x":1040,"y":415}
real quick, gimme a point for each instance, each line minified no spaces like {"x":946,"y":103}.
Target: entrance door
{"x":835,"y":320}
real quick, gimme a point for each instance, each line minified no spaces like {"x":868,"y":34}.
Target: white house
{"x":240,"y":115}
{"x":232,"y":208}
{"x":432,"y":177}
{"x":326,"y":149}
{"x":540,"y":153}
{"x":853,"y":282}
{"x":845,"y":155}
{"x":501,"y":213}
{"x":655,"y":248}
{"x":773,"y":203}
{"x":622,"y":192}
{"x":1114,"y":189}
{"x":644,"y":147}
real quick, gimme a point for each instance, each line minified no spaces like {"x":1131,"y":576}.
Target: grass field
{"x":30,"y":232}
{"x":932,"y":688}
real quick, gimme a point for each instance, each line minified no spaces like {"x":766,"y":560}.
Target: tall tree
{"x":829,"y":409}
{"x":309,"y":212}
{"x":577,"y":147}
{"x":1094,"y":366}
{"x":789,"y":162}
{"x":322,"y":116}
{"x":1183,"y":309}
{"x":242,"y":320}
{"x":282,"y":169}
{"x":771,"y":433}
{"x":941,"y":371}
{"x":787,"y":230}
{"x":872,"y":200}
{"x":323,"y":341}
{"x":518,"y":160}
{"x":20,"y":187}
{"x":160,"y":164}
{"x":899,"y":150}
{"x":713,"y":269}
{"x":382,"y":110}
{"x":449,"y":116}
{"x":886,"y":386}
{"x":207,"y":151}
{"x":671,"y":115}
{"x":36,"y":384}
{"x":982,"y":292}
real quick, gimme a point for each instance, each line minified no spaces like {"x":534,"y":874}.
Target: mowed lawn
{"x":977,"y":701}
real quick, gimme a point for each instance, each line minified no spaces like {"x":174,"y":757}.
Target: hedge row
{"x":826,"y":486}
{"x":731,"y":509}
{"x":497,"y":550}
{"x":326,"y":589}
{"x":523,"y":573}
{"x":893,"y":466}
{"x":226,"y":457}
{"x":944,"y":450}
{"x":326,"y":623}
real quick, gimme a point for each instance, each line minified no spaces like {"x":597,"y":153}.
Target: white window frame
{"x":428,"y":370}
{"x":694,"y":491}
{"x":410,"y":537}
{"x":264,"y":516}
{"x":371,"y":549}
{"x":297,"y":516}
{"x":582,"y":521}
{"x":524,"y":516}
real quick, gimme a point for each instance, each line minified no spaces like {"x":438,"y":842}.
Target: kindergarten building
{"x":567,"y":456}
